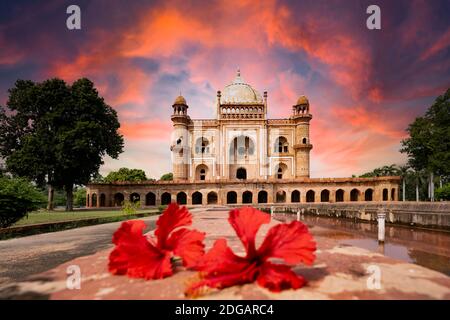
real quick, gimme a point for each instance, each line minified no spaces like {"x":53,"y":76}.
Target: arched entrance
{"x":393,"y":194}
{"x":281,"y":196}
{"x":197,"y":198}
{"x":181,"y":198}
{"x":295,"y":196}
{"x":325,"y":196}
{"x":280,"y":173}
{"x":118,"y":199}
{"x":202,"y":146}
{"x":231,"y":197}
{"x":339,"y":195}
{"x":150,"y":199}
{"x":94,"y":200}
{"x":201,"y":172}
{"x":310,"y":195}
{"x":166,"y":198}
{"x":240,"y":148}
{"x":385,"y":194}
{"x":354,"y":195}
{"x":247,"y":197}
{"x":102,"y":200}
{"x":212,"y":198}
{"x":241,"y":174}
{"x":368,"y":195}
{"x":135,"y":197}
{"x":262,"y":196}
{"x":280,"y":170}
{"x":281,"y":145}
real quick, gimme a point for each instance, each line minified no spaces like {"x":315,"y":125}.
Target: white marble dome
{"x":240,"y":92}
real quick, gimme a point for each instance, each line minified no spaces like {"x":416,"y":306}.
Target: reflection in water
{"x":427,"y":248}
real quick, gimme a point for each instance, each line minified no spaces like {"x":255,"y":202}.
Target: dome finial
{"x":180,"y":100}
{"x":302,"y":100}
{"x":238,"y":78}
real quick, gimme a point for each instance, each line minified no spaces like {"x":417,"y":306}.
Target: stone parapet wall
{"x":305,"y":180}
{"x":423,"y":214}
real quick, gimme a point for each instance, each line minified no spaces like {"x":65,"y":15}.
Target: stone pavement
{"x":339,"y":272}
{"x":22,"y":257}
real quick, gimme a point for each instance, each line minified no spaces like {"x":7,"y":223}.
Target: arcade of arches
{"x":155,"y":193}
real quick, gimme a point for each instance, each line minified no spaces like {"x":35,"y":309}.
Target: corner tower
{"x":180,"y":139}
{"x":302,"y":116}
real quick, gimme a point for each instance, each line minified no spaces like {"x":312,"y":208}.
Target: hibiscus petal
{"x":220,"y":258}
{"x":277,"y":277}
{"x":135,"y":256}
{"x":173,"y":217}
{"x":128,"y":228}
{"x":291,"y":242}
{"x":222,"y":268}
{"x":246,"y":222}
{"x":187,"y":244}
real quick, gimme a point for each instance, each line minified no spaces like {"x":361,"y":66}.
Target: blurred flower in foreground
{"x":144,"y":256}
{"x":221,"y":268}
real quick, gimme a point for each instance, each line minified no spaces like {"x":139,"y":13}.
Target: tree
{"x":57,"y":134}
{"x":26,"y":129}
{"x":80,"y":197}
{"x":428,"y":145}
{"x":125,"y":174}
{"x":59,"y":198}
{"x":97,"y":178}
{"x":413,"y":185}
{"x":2,"y":170}
{"x":443,"y":193}
{"x":403,"y":172}
{"x":17,"y":197}
{"x":391,"y":170}
{"x":167,"y":177}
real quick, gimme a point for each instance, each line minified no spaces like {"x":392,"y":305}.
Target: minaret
{"x":218,"y":115}
{"x":265,"y":104}
{"x":302,"y":146}
{"x":180,"y":139}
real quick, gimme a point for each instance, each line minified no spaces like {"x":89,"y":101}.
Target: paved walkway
{"x":22,"y":257}
{"x":340,"y":272}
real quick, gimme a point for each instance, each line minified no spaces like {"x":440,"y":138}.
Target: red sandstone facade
{"x":249,"y":192}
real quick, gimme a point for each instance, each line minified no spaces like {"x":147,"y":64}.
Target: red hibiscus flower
{"x":292,"y":242}
{"x":140,"y":256}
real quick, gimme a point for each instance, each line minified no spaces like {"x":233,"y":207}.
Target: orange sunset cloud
{"x":364,"y":87}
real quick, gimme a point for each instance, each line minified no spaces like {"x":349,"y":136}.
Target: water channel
{"x":428,"y":248}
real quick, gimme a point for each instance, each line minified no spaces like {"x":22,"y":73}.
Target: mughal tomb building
{"x":242,"y":157}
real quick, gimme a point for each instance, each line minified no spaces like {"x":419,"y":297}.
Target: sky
{"x":364,"y":86}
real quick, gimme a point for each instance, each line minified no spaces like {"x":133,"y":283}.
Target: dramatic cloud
{"x":364,"y":86}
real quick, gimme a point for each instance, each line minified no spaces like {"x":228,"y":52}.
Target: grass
{"x":51,"y":221}
{"x":39,"y":217}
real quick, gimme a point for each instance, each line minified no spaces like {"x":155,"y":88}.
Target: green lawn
{"x":56,"y":216}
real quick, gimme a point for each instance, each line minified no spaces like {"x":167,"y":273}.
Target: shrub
{"x":443,"y":193}
{"x":17,"y":198}
{"x":130,"y":207}
{"x":79,"y":197}
{"x":125,"y":174}
{"x":167,"y":177}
